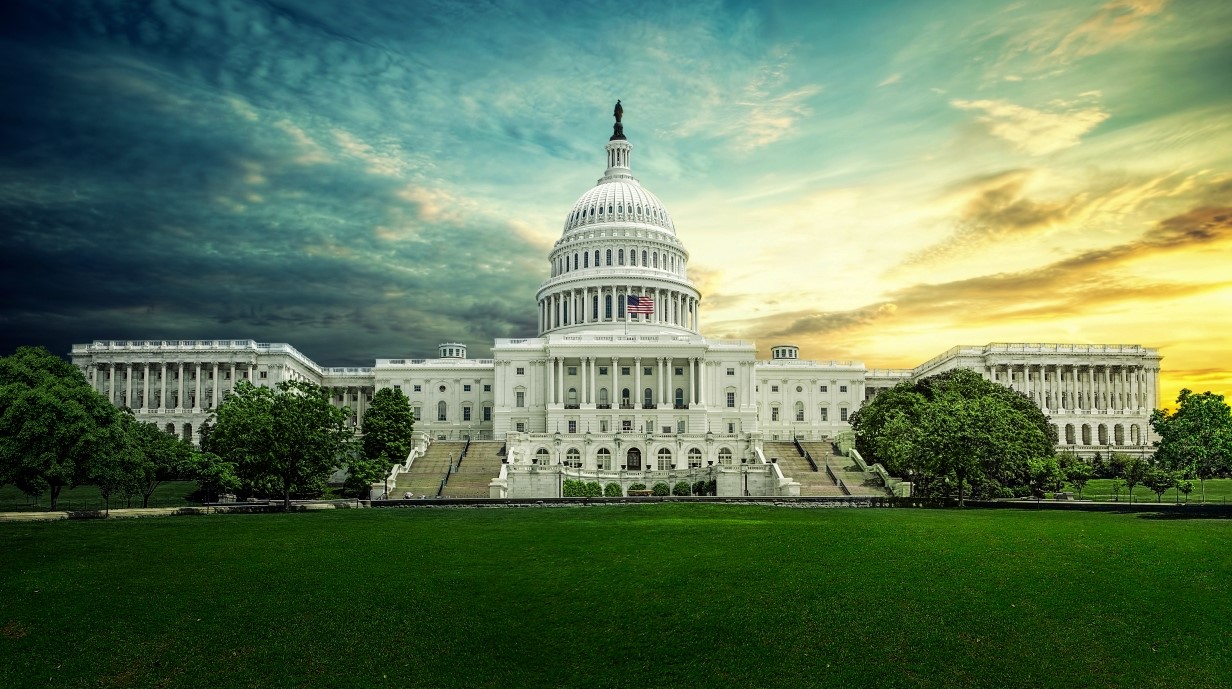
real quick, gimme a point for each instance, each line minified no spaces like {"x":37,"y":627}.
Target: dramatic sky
{"x":870,"y":180}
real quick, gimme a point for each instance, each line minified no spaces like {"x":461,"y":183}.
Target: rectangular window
{"x":264,"y":374}
{"x":825,"y":388}
{"x":842,"y":413}
{"x":603,"y":370}
{"x":842,"y":388}
{"x":731,"y":400}
{"x":572,"y":426}
{"x":397,"y":387}
{"x":466,"y":413}
{"x":679,"y":371}
{"x":774,"y":413}
{"x":680,"y":425}
{"x":466,"y":388}
{"x":825,"y":414}
{"x":418,"y":388}
{"x":573,"y":370}
{"x":646,"y":371}
{"x":521,"y":427}
{"x":667,"y":430}
{"x":731,"y":428}
{"x":487,"y":413}
{"x":774,"y":388}
{"x":603,"y":425}
{"x":521,"y":371}
{"x":521,"y":399}
{"x":799,"y":415}
{"x":417,"y":412}
{"x":626,"y":425}
{"x":487,"y":388}
{"x":624,"y":370}
{"x":731,"y":371}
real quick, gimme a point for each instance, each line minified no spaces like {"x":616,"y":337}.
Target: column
{"x":614,"y":397}
{"x":560,"y":381}
{"x":145,"y":385}
{"x":637,"y":377}
{"x":594,"y":379}
{"x":94,"y":377}
{"x":551,"y":380}
{"x":179,"y":378}
{"x":232,"y":386}
{"x":701,"y":379}
{"x":214,"y":402}
{"x":128,"y":386}
{"x":197,"y":392}
{"x":162,"y":385}
{"x":669,"y":381}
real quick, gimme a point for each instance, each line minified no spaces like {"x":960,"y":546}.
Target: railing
{"x":627,"y":405}
{"x":603,"y":406}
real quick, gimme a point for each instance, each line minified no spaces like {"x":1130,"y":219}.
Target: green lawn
{"x":636,"y":596}
{"x":167,"y":494}
{"x":1217,"y":490}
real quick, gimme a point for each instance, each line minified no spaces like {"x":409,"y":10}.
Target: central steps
{"x":482,"y":464}
{"x":428,"y":470}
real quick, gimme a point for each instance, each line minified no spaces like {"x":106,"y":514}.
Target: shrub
{"x":712,"y":487}
{"x":681,"y":488}
{"x":573,"y":488}
{"x":612,"y":490}
{"x":592,"y":489}
{"x":637,"y":486}
{"x":660,"y":489}
{"x":699,"y":488}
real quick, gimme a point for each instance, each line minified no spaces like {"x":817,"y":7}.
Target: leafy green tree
{"x":163,"y":456}
{"x":902,"y":403}
{"x":1133,"y":473}
{"x":52,"y":423}
{"x":212,"y":473}
{"x":290,"y":436}
{"x":388,"y":427}
{"x":1078,"y":473}
{"x":1196,"y":439}
{"x":117,"y":467}
{"x":1186,"y":487}
{"x":1046,"y":475}
{"x":1159,"y":480}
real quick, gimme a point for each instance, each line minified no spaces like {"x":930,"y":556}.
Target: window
{"x":586,"y":260}
{"x":799,"y":389}
{"x":626,"y":425}
{"x":603,"y":425}
{"x":607,"y":306}
{"x":604,"y":459}
{"x":799,"y":411}
{"x":573,"y":370}
{"x":596,"y":258}
{"x":603,"y":396}
{"x":541,"y":456}
{"x":679,"y":371}
{"x":825,"y":414}
{"x":731,"y":400}
{"x":264,"y":374}
{"x":441,"y":388}
{"x":731,"y":428}
{"x":695,"y":458}
{"x":842,"y":388}
{"x":731,"y":371}
{"x":441,"y":409}
{"x":774,"y":413}
{"x":648,"y":398}
{"x":417,"y":388}
{"x":680,"y":423}
{"x":572,"y":426}
{"x":466,"y":388}
{"x":774,"y":388}
{"x":620,"y":257}
{"x":520,"y":398}
{"x":644,"y":263}
{"x":398,"y":387}
{"x":521,"y":426}
{"x":825,"y":388}
{"x":842,"y":413}
{"x":487,"y":413}
{"x":665,"y":459}
{"x":487,"y":388}
{"x":609,"y":257}
{"x":521,"y":371}
{"x":725,"y":455}
{"x":624,"y":370}
{"x":603,"y":370}
{"x":680,"y":398}
{"x":466,"y":413}
{"x":647,"y":371}
{"x":418,"y":412}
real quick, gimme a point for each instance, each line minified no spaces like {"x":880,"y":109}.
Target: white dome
{"x":619,"y":200}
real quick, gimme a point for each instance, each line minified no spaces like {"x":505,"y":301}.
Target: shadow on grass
{"x":1198,"y":513}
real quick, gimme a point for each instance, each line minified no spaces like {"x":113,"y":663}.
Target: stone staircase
{"x":426,"y":472}
{"x":858,"y":482}
{"x":796,"y":467}
{"x":481,"y":464}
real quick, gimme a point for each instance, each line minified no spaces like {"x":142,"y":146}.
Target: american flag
{"x":639,"y":304}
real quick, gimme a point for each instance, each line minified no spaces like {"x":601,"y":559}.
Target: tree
{"x":903,"y":404}
{"x":163,"y":457}
{"x":212,"y":473}
{"x":1159,"y":480}
{"x":117,"y":466}
{"x":1134,"y":472}
{"x":1196,"y":439}
{"x":1078,"y":473}
{"x":290,"y":436}
{"x":1045,"y":474}
{"x":1185,"y":487}
{"x":52,"y":423}
{"x":388,"y":427}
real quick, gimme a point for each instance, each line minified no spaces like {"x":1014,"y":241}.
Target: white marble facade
{"x":619,"y":374}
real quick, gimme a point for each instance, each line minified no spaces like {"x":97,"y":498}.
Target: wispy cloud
{"x":1035,"y":131}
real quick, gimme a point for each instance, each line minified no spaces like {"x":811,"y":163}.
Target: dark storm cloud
{"x":199,"y":170}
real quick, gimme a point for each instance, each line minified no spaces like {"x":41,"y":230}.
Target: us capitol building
{"x":619,"y":382}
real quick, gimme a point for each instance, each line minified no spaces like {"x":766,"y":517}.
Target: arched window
{"x":725,"y":455}
{"x":170,"y":429}
{"x":620,"y":306}
{"x":644,"y":262}
{"x":1086,"y":434}
{"x":799,"y":411}
{"x":596,"y":258}
{"x":680,"y":398}
{"x":695,"y":458}
{"x":648,"y":398}
{"x":609,"y":257}
{"x":609,"y":209}
{"x":625,"y":403}
{"x":573,"y":458}
{"x":603,"y":396}
{"x":592,"y":210}
{"x":600,"y":210}
{"x":665,"y":459}
{"x":1069,"y":434}
{"x":1135,"y":434}
{"x":620,"y":257}
{"x":441,"y":409}
{"x":586,"y":260}
{"x":655,"y":259}
{"x":633,"y":257}
{"x":1118,"y":434}
{"x":620,"y":208}
{"x":607,"y":305}
{"x":604,"y":459}
{"x":594,"y":307}
{"x":188,"y":432}
{"x":1103,"y":434}
{"x":541,"y":456}
{"x":571,"y":397}
{"x":575,"y":262}
{"x":639,"y":209}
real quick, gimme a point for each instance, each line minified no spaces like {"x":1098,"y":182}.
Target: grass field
{"x":167,"y":494}
{"x":1217,"y":490}
{"x":648,"y":595}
